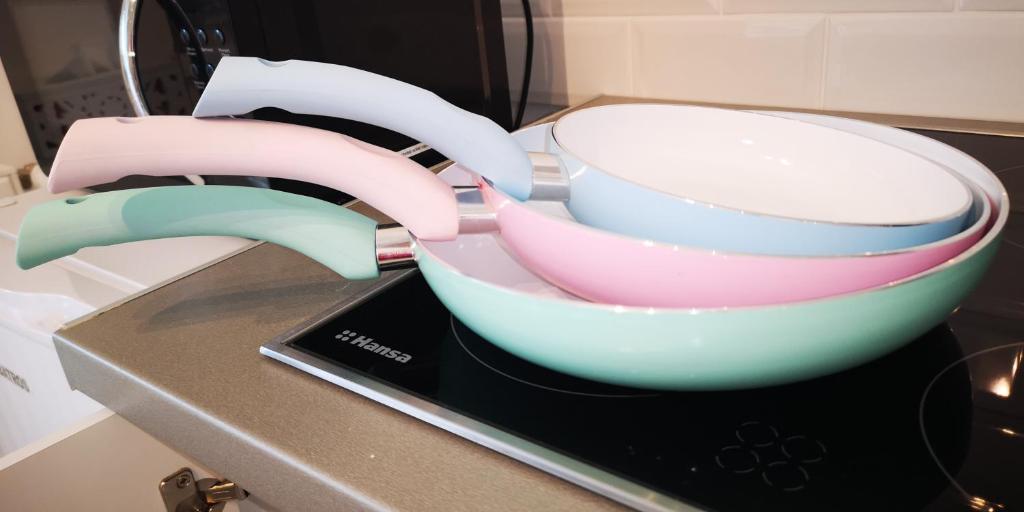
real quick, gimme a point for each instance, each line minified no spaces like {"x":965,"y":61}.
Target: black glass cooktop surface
{"x":936,"y":425}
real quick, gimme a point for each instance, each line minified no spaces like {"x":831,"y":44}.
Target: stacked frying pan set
{"x":655,"y":246}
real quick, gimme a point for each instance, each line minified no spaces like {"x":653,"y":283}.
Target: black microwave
{"x":70,"y":59}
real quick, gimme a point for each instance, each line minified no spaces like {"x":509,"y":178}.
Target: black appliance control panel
{"x":205,"y":34}
{"x":179,"y":46}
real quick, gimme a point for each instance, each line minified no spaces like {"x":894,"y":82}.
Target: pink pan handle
{"x":102,"y":150}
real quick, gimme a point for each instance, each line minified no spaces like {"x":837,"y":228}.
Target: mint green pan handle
{"x":340,"y":239}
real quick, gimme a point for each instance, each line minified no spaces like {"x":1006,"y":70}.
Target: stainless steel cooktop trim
{"x":547,"y":460}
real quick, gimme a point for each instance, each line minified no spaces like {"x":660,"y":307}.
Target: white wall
{"x":15,"y":149}
{"x":943,"y":58}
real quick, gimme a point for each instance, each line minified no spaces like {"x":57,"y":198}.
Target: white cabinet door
{"x":102,"y":464}
{"x":35,"y":398}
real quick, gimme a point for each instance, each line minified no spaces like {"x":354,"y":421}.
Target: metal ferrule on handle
{"x":395,"y":247}
{"x":475,"y":215}
{"x":550,"y":178}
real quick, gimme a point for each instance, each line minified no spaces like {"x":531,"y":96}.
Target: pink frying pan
{"x":591,"y":263}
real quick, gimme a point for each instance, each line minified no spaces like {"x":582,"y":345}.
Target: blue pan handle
{"x":243,"y":84}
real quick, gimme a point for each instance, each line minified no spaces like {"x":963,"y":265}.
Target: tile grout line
{"x":826,"y":43}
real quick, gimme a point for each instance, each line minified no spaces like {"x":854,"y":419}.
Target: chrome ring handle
{"x":126,"y":55}
{"x":129,"y":69}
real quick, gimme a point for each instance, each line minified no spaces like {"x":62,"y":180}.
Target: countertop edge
{"x":239,"y":457}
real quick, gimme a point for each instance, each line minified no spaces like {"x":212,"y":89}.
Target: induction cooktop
{"x":936,"y":425}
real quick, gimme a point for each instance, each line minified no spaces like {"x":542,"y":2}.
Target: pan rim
{"x":739,"y":211}
{"x":979,"y":224}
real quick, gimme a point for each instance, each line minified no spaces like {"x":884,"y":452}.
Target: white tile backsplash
{"x":773,"y":60}
{"x":625,"y":7}
{"x":780,"y":6}
{"x":968,"y":65}
{"x":574,"y":59}
{"x":945,"y":58}
{"x":992,"y":5}
{"x":564,"y":8}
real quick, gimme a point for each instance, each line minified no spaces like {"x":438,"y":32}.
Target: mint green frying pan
{"x":484,"y":287}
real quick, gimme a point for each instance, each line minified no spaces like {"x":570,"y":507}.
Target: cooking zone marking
{"x":353,"y":338}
